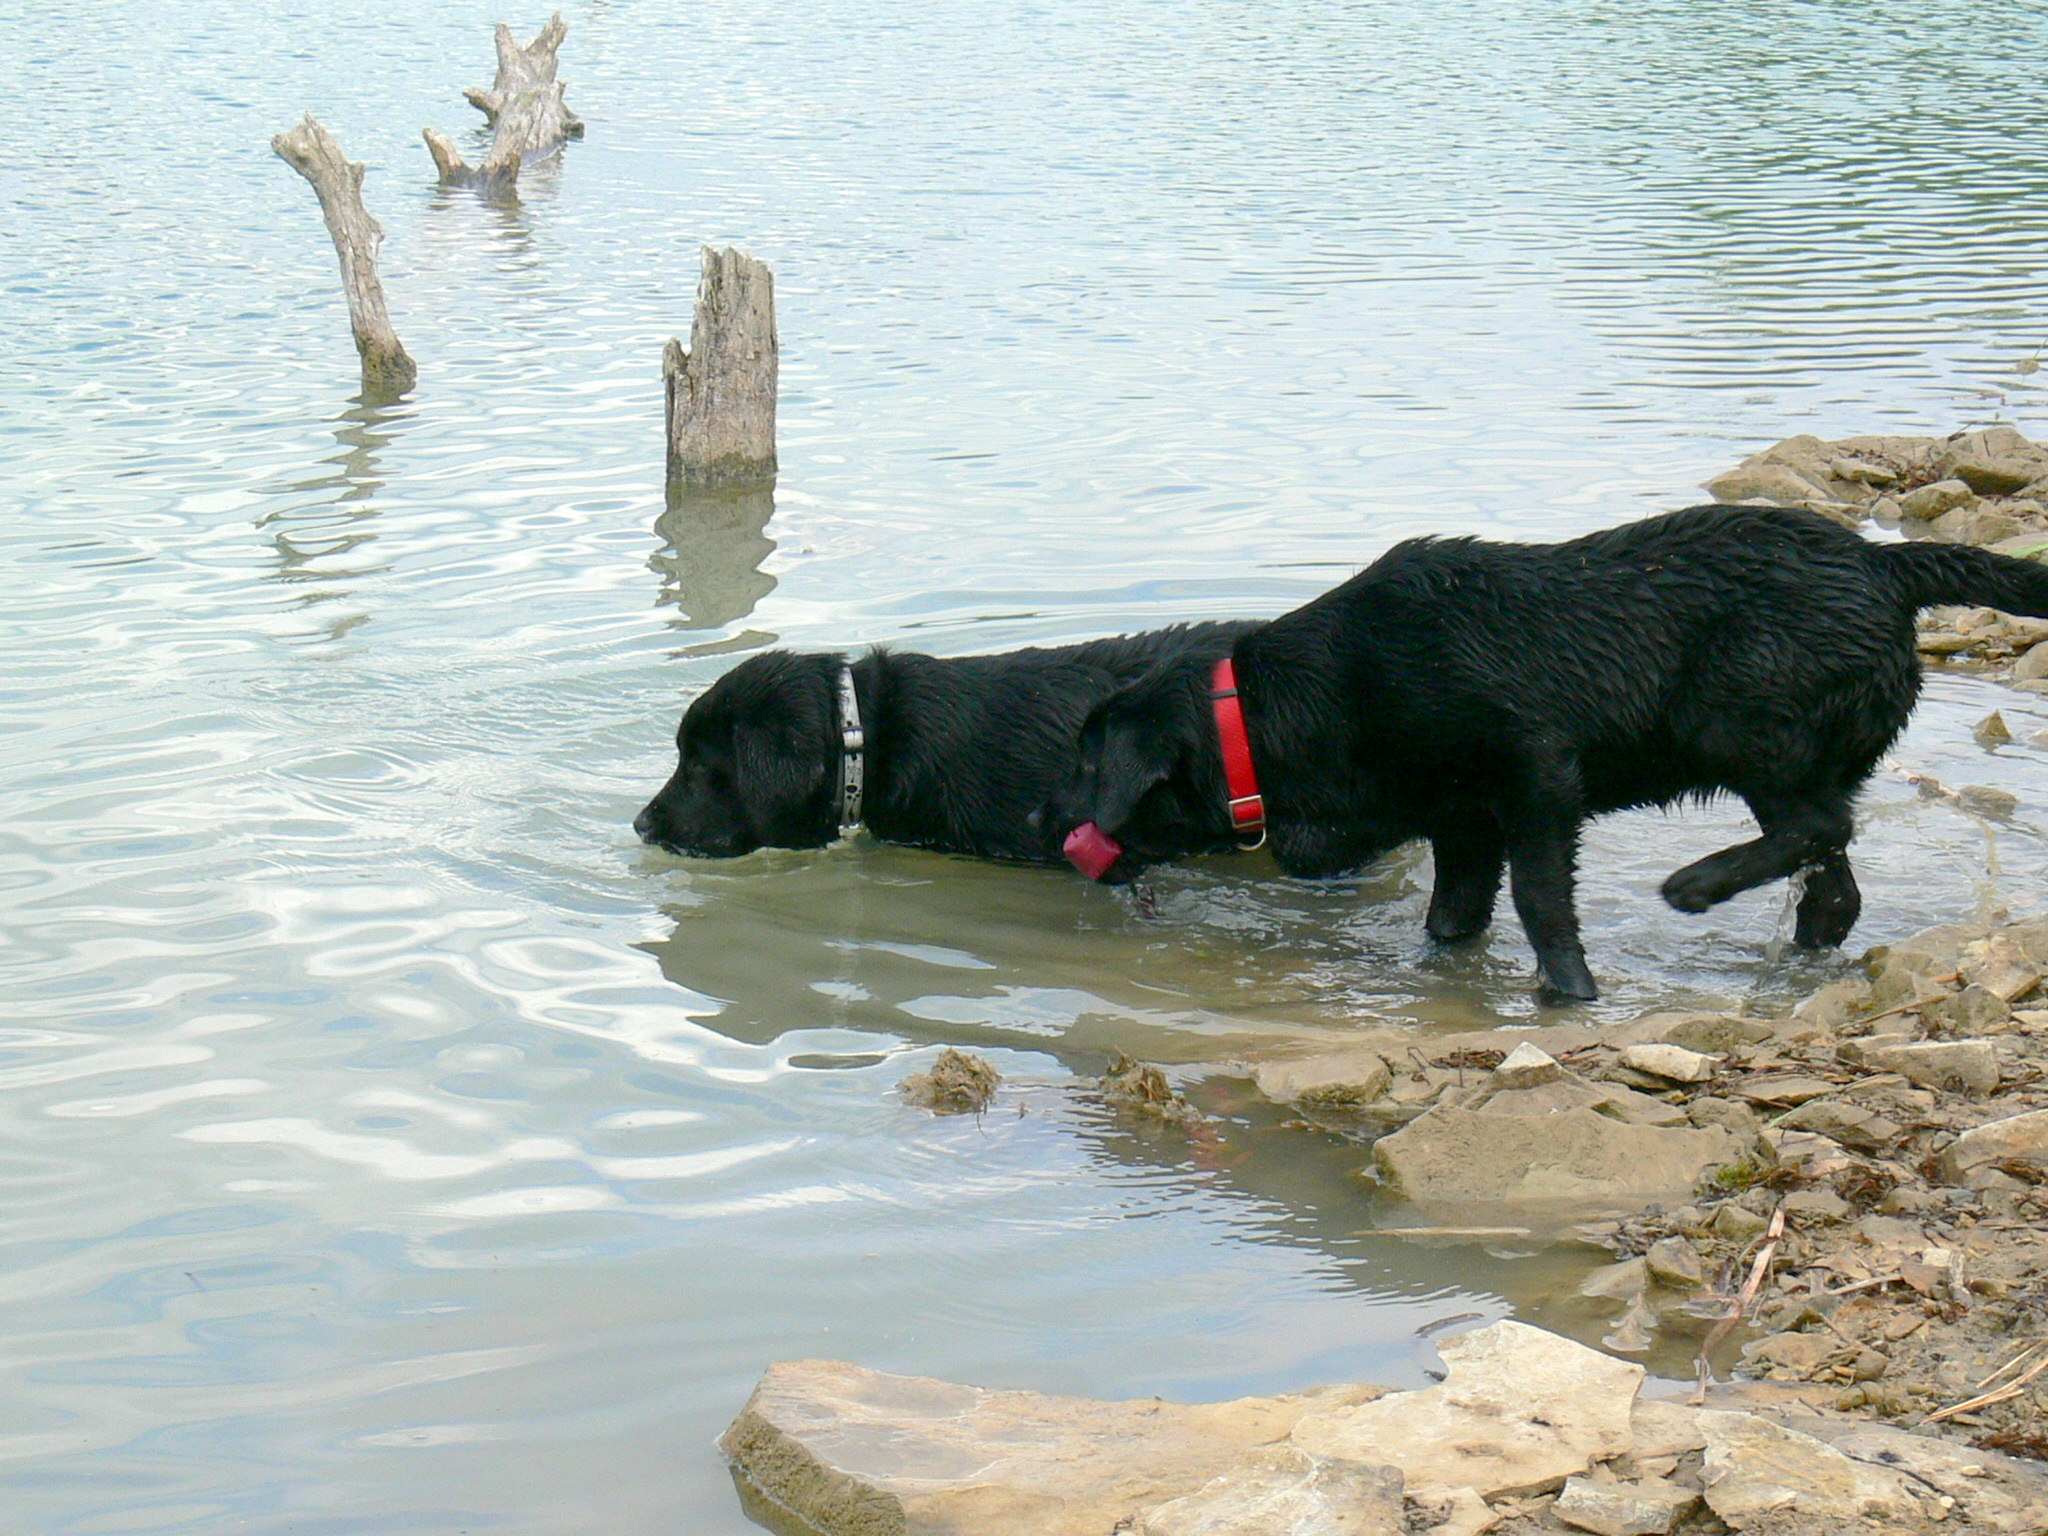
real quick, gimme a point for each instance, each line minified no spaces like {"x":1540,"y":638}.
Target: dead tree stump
{"x":311,"y":150}
{"x":528,"y":68}
{"x":524,"y":107}
{"x":721,"y":393}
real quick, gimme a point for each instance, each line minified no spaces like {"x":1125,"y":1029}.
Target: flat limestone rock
{"x":1520,"y":1411}
{"x":2014,"y":1139}
{"x":1769,"y":482}
{"x":1970,"y":1066}
{"x":1675,"y":1062}
{"x":1711,"y":1033}
{"x":1335,"y":1077}
{"x":2000,"y":1492}
{"x":1623,"y":1509}
{"x":1284,"y":1489}
{"x":857,"y":1452}
{"x":1570,"y":1163}
{"x":1758,"y":1472}
{"x":1531,"y":1082}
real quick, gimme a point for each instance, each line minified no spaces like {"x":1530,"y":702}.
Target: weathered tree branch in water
{"x":524,"y":106}
{"x":311,"y":150}
{"x":528,"y":68}
{"x":721,"y":393}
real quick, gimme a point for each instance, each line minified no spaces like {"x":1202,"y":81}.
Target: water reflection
{"x":713,"y":544}
{"x":340,"y":514}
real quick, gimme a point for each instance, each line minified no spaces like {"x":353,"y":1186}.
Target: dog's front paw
{"x":1689,"y":892}
{"x":1566,"y":981}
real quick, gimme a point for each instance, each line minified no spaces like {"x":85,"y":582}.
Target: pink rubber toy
{"x":1091,"y":850}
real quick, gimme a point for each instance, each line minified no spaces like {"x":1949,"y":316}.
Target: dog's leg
{"x":1542,"y":849}
{"x":1831,"y":905}
{"x":1469,"y":854}
{"x":1794,"y":838}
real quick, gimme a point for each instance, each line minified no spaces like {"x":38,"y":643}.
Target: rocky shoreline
{"x":1838,"y":1211}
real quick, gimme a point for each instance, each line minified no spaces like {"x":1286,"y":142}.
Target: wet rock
{"x":1930,"y":501}
{"x":1520,"y":1411}
{"x":1756,"y":1469}
{"x":1623,"y":1509}
{"x":959,"y":1083}
{"x":1284,"y":1489}
{"x":1675,"y":1263}
{"x":1766,"y":482}
{"x":1673,"y":1062}
{"x":1568,"y":1162}
{"x":1624,"y":1281}
{"x":2033,"y":666}
{"x":1137,"y":1086}
{"x":1339,"y":1078}
{"x":2021,"y":1139}
{"x":1992,"y":731}
{"x":1969,"y":1066}
{"x":1635,"y":1331}
{"x":857,"y":1451}
{"x":1988,"y":800}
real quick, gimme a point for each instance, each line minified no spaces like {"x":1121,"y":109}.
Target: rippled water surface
{"x":390,"y":1143}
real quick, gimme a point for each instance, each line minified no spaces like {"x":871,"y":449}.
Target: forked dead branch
{"x":524,"y":107}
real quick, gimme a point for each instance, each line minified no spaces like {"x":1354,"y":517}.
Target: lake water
{"x":391,"y":1144}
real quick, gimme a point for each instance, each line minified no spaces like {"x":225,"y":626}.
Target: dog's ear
{"x":1126,"y":756}
{"x":772,"y":772}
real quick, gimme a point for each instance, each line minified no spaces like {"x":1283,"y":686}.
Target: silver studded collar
{"x":852,"y":754}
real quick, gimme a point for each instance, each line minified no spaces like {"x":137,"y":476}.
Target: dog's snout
{"x":644,"y":824}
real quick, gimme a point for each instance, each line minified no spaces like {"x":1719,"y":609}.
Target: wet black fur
{"x":1492,"y":697}
{"x":962,"y":752}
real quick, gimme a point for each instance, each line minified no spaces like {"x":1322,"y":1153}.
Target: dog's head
{"x":1146,"y":776}
{"x":755,"y":762}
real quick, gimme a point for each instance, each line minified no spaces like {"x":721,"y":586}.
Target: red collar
{"x":1247,"y":806}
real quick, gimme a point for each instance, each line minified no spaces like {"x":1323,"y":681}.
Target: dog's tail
{"x":1925,"y":574}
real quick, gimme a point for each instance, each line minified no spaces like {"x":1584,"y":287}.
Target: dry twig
{"x":1741,"y":1304}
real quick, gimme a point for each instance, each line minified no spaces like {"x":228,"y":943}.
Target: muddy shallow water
{"x":390,"y":1143}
